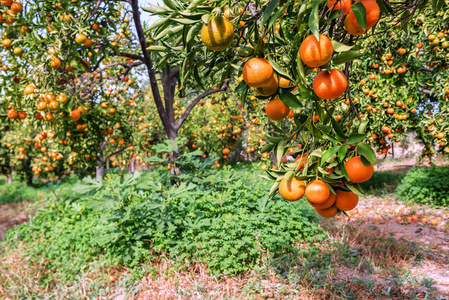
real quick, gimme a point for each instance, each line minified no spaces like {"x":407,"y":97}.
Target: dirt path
{"x":12,"y":214}
{"x":390,"y":216}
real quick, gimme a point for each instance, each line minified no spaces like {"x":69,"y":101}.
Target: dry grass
{"x":356,"y":262}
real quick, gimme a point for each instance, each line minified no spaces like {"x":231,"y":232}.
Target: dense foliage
{"x":222,"y":217}
{"x":426,"y":185}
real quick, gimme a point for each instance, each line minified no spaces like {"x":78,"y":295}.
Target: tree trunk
{"x":99,"y":171}
{"x":107,"y":165}
{"x":9,"y":178}
{"x":29,"y":179}
{"x":131,"y":167}
{"x":28,"y":173}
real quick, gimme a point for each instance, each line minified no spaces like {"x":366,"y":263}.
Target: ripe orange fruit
{"x":285,"y":83}
{"x":29,"y":89}
{"x":75,"y":115}
{"x":357,"y":171}
{"x":328,"y":203}
{"x":316,"y":53}
{"x":217,"y":34}
{"x":12,"y":114}
{"x":330,"y":85}
{"x":16,"y":7}
{"x":6,"y":2}
{"x":345,"y":4}
{"x":226,"y":151}
{"x":55,"y":63}
{"x":317,"y":191}
{"x":269,"y":89}
{"x":257,"y":72}
{"x":62,"y":98}
{"x":276,"y":110}
{"x":80,"y":39}
{"x":327,"y":212}
{"x":351,"y":28}
{"x":372,"y":14}
{"x":346,"y":200}
{"x":292,"y":190}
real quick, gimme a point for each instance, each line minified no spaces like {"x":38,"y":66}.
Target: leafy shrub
{"x":219,"y":217}
{"x":385,"y":181}
{"x":427,"y":186}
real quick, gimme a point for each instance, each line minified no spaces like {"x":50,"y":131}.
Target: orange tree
{"x":58,"y":58}
{"x":292,"y":55}
{"x":401,"y":85}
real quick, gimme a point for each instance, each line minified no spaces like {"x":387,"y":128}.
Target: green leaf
{"x":279,"y":70}
{"x":158,"y":22}
{"x":404,"y":20}
{"x":314,"y":19}
{"x":330,"y":138}
{"x":347,"y":56}
{"x":437,"y":4}
{"x":339,"y":47}
{"x":367,"y":152}
{"x":360,"y":14}
{"x":329,"y":153}
{"x":342,"y":152}
{"x":338,"y":128}
{"x":205,"y":18}
{"x":170,"y":4}
{"x":289,"y":99}
{"x":274,"y":139}
{"x":268,"y":11}
{"x":356,"y":138}
{"x":158,"y":49}
{"x":362,"y":126}
{"x":185,"y":21}
{"x":385,"y":7}
{"x":275,"y":17}
{"x":195,"y":3}
{"x":155,"y":9}
{"x":280,"y":150}
{"x":300,"y":69}
{"x":343,"y":170}
{"x":267,"y":148}
{"x":354,"y":190}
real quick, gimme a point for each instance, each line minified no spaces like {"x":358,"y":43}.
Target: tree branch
{"x":195,"y":102}
{"x":149,"y":64}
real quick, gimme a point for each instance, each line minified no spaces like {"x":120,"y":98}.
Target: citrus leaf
{"x":268,"y":11}
{"x":279,"y":70}
{"x":342,"y":152}
{"x":347,"y":56}
{"x":356,"y":138}
{"x":363,"y":126}
{"x":354,"y":190}
{"x":267,"y":148}
{"x":360,"y":14}
{"x":367,"y":152}
{"x":339,"y":47}
{"x":314,"y":19}
{"x":329,"y":153}
{"x":289,"y":99}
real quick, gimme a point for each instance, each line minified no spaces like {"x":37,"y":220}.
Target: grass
{"x":356,"y":261}
{"x":382,"y":182}
{"x":18,"y":191}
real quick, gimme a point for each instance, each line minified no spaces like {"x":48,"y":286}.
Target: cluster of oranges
{"x":327,"y":203}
